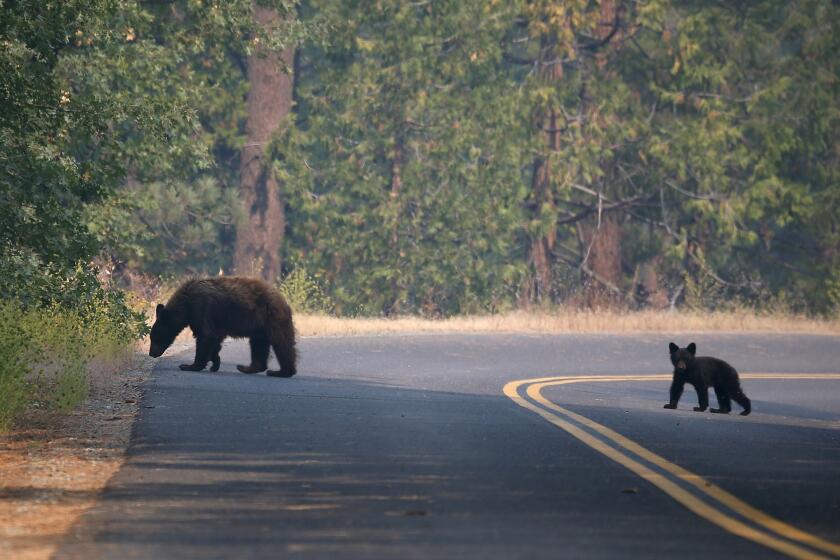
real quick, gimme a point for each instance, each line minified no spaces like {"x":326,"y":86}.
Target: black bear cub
{"x":703,"y":372}
{"x":215,"y":308}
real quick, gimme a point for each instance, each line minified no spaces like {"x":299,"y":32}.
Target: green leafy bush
{"x":304,"y":293}
{"x":53,"y":322}
{"x":45,"y":353}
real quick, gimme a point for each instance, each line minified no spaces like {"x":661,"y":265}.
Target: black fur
{"x":215,"y":308}
{"x":703,"y":372}
{"x":166,"y":329}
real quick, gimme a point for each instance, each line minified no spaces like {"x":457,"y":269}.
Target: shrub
{"x":304,"y":292}
{"x":52,"y":324}
{"x":45,"y":353}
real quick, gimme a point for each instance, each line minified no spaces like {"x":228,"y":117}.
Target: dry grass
{"x":570,"y":321}
{"x":561,"y":320}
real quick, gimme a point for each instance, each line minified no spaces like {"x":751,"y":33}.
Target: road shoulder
{"x":54,"y":469}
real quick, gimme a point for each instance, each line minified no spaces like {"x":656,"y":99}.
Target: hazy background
{"x":427,"y":157}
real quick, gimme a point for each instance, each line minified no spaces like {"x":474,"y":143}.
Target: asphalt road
{"x":408,"y":447}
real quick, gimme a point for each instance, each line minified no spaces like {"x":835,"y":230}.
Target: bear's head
{"x":164,"y":331}
{"x":682,"y":358}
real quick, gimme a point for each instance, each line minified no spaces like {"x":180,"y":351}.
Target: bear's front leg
{"x":676,"y":392}
{"x":215,"y":359}
{"x":702,"y":397}
{"x":204,"y":348}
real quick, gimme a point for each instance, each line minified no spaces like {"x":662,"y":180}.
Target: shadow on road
{"x":344,"y":468}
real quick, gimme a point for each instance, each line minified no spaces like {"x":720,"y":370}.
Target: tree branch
{"x":616,"y":25}
{"x":513,"y":59}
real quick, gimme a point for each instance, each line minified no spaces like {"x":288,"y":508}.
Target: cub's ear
{"x":692,"y":348}
{"x":159,"y":310}
{"x":673,"y":347}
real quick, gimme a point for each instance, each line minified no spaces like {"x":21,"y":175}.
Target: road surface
{"x":444,"y":446}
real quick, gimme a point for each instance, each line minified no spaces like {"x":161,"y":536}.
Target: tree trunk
{"x":542,"y":245}
{"x":259,"y":234}
{"x":538,"y":284}
{"x":395,"y":214}
{"x":396,"y":186}
{"x":601,"y":248}
{"x":601,"y":235}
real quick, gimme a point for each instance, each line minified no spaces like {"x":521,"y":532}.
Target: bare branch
{"x":714,"y":197}
{"x":594,"y":275}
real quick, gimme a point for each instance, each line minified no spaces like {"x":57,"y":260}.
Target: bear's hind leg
{"x":287,"y":356}
{"x":740,"y":398}
{"x":259,"y":356}
{"x":723,"y":401}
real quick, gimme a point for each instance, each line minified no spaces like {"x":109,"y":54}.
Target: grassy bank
{"x":572,"y":321}
{"x":47,"y":355}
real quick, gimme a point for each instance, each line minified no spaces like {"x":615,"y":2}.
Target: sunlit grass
{"x":558,"y":320}
{"x":571,"y":321}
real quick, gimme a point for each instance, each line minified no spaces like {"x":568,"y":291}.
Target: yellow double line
{"x":773,"y":532}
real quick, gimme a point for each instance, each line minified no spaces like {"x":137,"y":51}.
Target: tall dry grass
{"x":571,"y":321}
{"x":560,"y":320}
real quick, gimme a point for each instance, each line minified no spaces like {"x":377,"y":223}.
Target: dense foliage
{"x":457,"y":156}
{"x":445,"y":156}
{"x":104,"y":164}
{"x":64,"y":130}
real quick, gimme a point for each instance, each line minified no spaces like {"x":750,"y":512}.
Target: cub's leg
{"x":702,"y":397}
{"x":739,"y":397}
{"x":676,"y":393}
{"x":723,"y":400}
{"x":205,"y":348}
{"x":259,"y":356}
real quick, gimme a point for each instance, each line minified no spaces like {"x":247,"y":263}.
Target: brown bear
{"x":215,"y":308}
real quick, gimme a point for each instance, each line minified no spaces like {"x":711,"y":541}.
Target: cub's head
{"x":163,"y":332}
{"x":682,"y":358}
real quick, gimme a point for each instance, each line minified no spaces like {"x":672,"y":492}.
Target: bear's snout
{"x":155,"y":351}
{"x":681,"y":364}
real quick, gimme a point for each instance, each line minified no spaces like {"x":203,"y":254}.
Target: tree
{"x":575,"y":182}
{"x":446,"y":157}
{"x":177,"y":212}
{"x":403,"y":192}
{"x":747,"y":152}
{"x":259,"y":234}
{"x":70,"y":127}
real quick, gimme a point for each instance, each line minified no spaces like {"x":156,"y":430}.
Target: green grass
{"x":45,"y":353}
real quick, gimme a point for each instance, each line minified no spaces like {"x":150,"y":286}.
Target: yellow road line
{"x":685,"y":498}
{"x":776,"y":525}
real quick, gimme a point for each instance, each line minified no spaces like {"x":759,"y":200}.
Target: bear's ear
{"x":159,"y":310}
{"x":692,"y":348}
{"x":673,"y":347}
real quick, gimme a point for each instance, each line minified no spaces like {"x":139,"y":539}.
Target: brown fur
{"x":215,"y":308}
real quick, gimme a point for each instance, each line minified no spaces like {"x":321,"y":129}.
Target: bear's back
{"x":234,"y":306}
{"x":714,"y":369}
